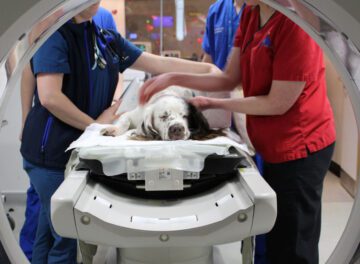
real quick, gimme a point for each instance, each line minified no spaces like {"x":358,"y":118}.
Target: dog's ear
{"x":198,"y":125}
{"x":146,"y":127}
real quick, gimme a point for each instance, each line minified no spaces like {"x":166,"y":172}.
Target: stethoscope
{"x":103,"y":38}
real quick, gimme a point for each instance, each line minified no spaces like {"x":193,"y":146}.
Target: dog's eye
{"x":185,"y":116}
{"x":164,"y":117}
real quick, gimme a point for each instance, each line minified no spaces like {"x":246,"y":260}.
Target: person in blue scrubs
{"x":76,"y":73}
{"x":221,"y":24}
{"x":103,"y":19}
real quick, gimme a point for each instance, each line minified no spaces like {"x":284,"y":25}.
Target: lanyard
{"x":101,"y":40}
{"x":99,"y":60}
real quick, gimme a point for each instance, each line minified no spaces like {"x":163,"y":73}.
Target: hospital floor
{"x":337,"y":204}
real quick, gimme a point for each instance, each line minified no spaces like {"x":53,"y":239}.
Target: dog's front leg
{"x":119,"y":127}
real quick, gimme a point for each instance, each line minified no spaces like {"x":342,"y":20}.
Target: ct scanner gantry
{"x":334,"y":24}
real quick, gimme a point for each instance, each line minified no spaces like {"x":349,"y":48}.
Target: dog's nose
{"x":176,"y":132}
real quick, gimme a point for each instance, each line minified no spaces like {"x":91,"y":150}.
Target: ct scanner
{"x":334,"y":24}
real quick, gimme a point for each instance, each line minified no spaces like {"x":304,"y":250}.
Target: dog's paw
{"x":111,"y":131}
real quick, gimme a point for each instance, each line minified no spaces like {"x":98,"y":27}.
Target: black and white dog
{"x":167,"y":116}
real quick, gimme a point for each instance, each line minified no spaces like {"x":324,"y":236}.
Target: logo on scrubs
{"x":218,"y":30}
{"x":266,"y":42}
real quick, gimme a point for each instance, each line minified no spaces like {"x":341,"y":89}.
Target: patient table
{"x":161,"y":202}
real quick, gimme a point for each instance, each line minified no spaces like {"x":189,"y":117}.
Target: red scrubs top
{"x":281,"y":50}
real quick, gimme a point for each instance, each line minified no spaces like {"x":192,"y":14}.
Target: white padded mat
{"x":91,"y":138}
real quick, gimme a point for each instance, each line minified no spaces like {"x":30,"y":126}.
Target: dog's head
{"x":172,"y":118}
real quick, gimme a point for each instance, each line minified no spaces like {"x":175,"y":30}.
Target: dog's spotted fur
{"x":167,"y":116}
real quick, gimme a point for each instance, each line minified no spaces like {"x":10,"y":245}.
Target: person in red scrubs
{"x":289,"y":120}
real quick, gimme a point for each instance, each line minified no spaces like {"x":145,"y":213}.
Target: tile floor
{"x":337,"y":204}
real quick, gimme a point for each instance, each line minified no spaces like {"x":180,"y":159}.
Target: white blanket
{"x":91,"y":138}
{"x":121,"y":154}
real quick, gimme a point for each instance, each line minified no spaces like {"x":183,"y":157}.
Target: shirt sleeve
{"x":297,"y":57}
{"x":209,"y":34}
{"x":129,"y":53}
{"x":238,"y":37}
{"x":52,"y":57}
{"x":108,"y":21}
{"x":110,"y":24}
{"x":104,"y":19}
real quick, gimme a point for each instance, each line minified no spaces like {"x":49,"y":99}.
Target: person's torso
{"x":90,"y":88}
{"x":308,"y":125}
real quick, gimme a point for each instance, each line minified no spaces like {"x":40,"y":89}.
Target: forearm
{"x":157,"y":65}
{"x":62,"y":108}
{"x":208,"y":82}
{"x":205,"y":78}
{"x":180,"y":65}
{"x":253,"y":105}
{"x":26,"y":103}
{"x":27,"y":91}
{"x":282,"y":96}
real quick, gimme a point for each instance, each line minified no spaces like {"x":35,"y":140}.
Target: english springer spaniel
{"x":167,"y":116}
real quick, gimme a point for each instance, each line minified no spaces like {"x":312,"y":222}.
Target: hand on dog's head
{"x":199,"y":126}
{"x":172,"y":117}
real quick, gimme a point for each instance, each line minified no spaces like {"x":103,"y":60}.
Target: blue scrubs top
{"x":221,"y":25}
{"x":52,"y":58}
{"x":104,"y":19}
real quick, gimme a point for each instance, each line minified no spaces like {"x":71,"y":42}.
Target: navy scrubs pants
{"x":28,"y":231}
{"x":49,"y":247}
{"x":298,"y":185}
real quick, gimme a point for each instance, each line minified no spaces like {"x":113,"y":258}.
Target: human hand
{"x":108,"y":116}
{"x":111,"y":131}
{"x":201,"y":102}
{"x":153,"y":86}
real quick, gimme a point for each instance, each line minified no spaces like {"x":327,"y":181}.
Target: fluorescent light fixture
{"x":180,"y":19}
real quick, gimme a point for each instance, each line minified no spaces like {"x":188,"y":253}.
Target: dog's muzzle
{"x":176,"y":132}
